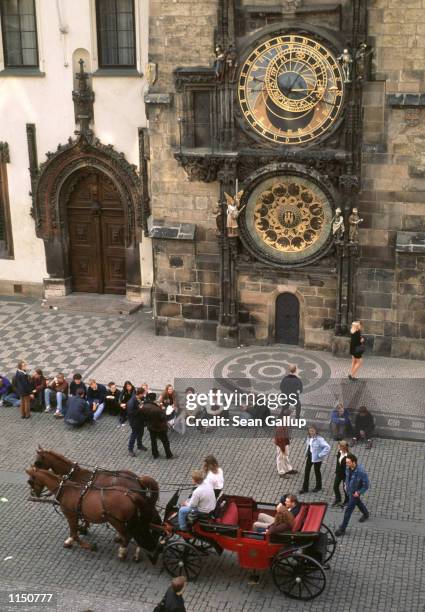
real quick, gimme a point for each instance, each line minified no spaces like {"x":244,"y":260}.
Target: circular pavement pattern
{"x":261,"y":370}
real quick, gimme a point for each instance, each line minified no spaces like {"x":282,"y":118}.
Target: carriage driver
{"x":202,"y":501}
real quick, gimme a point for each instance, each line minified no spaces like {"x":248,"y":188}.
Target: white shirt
{"x":203,"y":498}
{"x":215,"y":479}
{"x":341,"y":457}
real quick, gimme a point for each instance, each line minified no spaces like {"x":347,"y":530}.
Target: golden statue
{"x":233,"y":212}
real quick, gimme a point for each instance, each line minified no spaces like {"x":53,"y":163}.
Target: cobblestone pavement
{"x":378,"y":566}
{"x":122,"y":347}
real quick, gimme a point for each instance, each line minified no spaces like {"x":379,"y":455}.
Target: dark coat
{"x":134,"y":413}
{"x":173,"y":602}
{"x":78,"y":411}
{"x":292,"y":385}
{"x":295,"y":510}
{"x":156,"y":418}
{"x":22,"y":383}
{"x":98,"y":394}
{"x":73,"y":388}
{"x":364,"y":422}
{"x":340,"y":466}
{"x":125,"y":396}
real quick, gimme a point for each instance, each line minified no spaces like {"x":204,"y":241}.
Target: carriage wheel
{"x":330,"y":542}
{"x":298,"y":576}
{"x":203,"y":546}
{"x":182,"y":559}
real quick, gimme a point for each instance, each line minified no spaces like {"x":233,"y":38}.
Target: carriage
{"x":297,"y":559}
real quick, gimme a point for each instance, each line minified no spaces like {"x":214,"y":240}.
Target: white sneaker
{"x":47,"y":409}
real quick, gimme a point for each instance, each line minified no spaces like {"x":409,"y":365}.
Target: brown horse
{"x":121,"y":508}
{"x":59,"y":464}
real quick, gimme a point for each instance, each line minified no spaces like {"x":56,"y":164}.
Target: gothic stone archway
{"x":51,"y":194}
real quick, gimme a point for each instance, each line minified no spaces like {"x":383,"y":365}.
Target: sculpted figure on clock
{"x":346,"y":63}
{"x":354,"y":221}
{"x":338,"y":227}
{"x":233,"y":212}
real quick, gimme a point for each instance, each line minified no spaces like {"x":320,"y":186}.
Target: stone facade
{"x":389,"y":285}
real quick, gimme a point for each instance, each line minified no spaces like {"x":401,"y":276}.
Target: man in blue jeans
{"x":202,"y":500}
{"x":356,"y":483}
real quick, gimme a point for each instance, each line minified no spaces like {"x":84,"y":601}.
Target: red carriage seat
{"x":299,"y":519}
{"x":230,"y":515}
{"x":314,"y":517}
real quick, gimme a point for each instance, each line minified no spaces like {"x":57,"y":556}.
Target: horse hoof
{"x":137,"y":559}
{"x":117,"y":540}
{"x":66,"y":545}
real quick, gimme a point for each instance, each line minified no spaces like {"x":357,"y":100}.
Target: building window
{"x":6,"y":244}
{"x":116,"y":33}
{"x":19,"y":33}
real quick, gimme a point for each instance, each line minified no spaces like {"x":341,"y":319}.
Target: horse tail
{"x":152,"y":487}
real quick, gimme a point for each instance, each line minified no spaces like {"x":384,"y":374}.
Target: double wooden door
{"x":287,"y":319}
{"x":96,"y":225}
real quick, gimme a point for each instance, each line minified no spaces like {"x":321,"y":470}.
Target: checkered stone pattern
{"x":9,"y":310}
{"x":57,"y":341}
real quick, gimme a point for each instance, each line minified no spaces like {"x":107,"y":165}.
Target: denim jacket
{"x":356,"y":480}
{"x":319,"y":448}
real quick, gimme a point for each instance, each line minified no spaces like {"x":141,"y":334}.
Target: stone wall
{"x":390,"y":287}
{"x":258,"y":293}
{"x":186,"y":286}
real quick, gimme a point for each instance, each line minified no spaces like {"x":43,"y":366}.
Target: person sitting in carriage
{"x":279,"y":523}
{"x":202,"y":500}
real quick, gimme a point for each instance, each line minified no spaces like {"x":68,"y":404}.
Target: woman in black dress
{"x":356,"y":348}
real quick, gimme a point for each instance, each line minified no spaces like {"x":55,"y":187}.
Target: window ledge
{"x":22,"y":72}
{"x":117,"y":72}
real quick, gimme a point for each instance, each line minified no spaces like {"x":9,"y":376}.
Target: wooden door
{"x":97,"y":236}
{"x":287,"y":319}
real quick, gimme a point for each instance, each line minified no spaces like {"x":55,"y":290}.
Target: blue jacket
{"x":5,"y":386}
{"x":78,"y":411}
{"x":337,"y":419}
{"x":356,"y":480}
{"x":319,"y":448}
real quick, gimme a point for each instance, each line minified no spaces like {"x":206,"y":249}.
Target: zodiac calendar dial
{"x":288,"y":218}
{"x":291,"y":89}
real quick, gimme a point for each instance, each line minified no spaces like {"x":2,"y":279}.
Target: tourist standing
{"x":282,"y":441}
{"x":357,"y":348}
{"x":340,"y":468}
{"x":356,"y":484}
{"x":23,"y":386}
{"x":316,"y":450}
{"x":136,"y":421}
{"x":291,"y":385}
{"x":156,"y":421}
{"x":173,"y":599}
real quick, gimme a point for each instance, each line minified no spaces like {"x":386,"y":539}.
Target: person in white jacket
{"x":214,"y":474}
{"x":316,"y":450}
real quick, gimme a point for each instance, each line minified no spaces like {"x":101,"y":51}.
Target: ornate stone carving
{"x":4,"y":153}
{"x":193,"y":76}
{"x":198,"y":168}
{"x":83,"y":99}
{"x":76,"y":155}
{"x":349,"y":182}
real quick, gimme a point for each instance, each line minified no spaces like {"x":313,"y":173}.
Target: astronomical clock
{"x":291,"y":90}
{"x":290,"y":94}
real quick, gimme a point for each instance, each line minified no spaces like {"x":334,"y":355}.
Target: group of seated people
{"x":78,"y":402}
{"x":283,"y":520}
{"x":363,"y":428}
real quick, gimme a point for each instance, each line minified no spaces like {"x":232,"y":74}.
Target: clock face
{"x":291,"y":89}
{"x":288,"y":218}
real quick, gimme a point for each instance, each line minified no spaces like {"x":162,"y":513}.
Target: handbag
{"x":360,"y":349}
{"x":161,"y":606}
